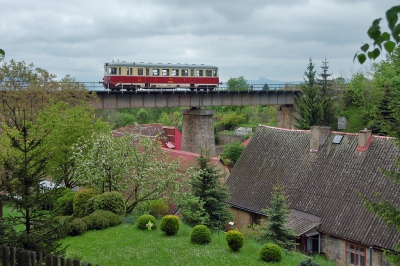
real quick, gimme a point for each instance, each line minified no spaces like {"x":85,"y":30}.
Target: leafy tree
{"x":132,"y":165}
{"x":29,"y":89}
{"x":278,"y":214}
{"x":2,"y":54}
{"x":232,"y":151}
{"x":265,"y":87}
{"x":233,"y":120}
{"x":206,"y":185}
{"x":143,"y":116}
{"x":237,"y":84}
{"x":308,"y":105}
{"x":66,"y":126}
{"x":25,"y":166}
{"x":381,"y":38}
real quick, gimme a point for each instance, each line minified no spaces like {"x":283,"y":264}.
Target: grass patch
{"x":125,"y":245}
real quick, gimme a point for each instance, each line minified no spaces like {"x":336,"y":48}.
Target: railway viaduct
{"x":197,"y":128}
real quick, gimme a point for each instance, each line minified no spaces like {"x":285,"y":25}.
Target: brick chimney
{"x":318,"y":137}
{"x":364,"y":139}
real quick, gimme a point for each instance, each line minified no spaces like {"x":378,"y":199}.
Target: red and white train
{"x":133,"y":76}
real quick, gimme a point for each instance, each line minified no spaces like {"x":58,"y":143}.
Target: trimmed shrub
{"x":89,"y":208}
{"x":158,"y":207}
{"x":200,"y":235}
{"x":101,"y":219}
{"x":170,"y":225}
{"x":271,"y":253}
{"x":65,"y":204}
{"x":77,"y":227}
{"x":235,"y":240}
{"x":144,"y":219}
{"x":308,"y":262}
{"x":80,"y":200}
{"x":110,"y":201}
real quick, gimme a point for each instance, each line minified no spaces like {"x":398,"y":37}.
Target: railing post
{"x":6,"y":256}
{"x":76,"y":263}
{"x":49,"y":260}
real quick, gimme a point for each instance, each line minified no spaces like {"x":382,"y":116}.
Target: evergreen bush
{"x":170,"y":225}
{"x":64,"y":205}
{"x":80,"y":200}
{"x":235,"y":240}
{"x":144,"y":219}
{"x":158,"y":207}
{"x":271,"y":253}
{"x":101,"y":219}
{"x":110,"y":201}
{"x":89,"y":208}
{"x":200,"y":235}
{"x":308,"y":262}
{"x":77,"y":227}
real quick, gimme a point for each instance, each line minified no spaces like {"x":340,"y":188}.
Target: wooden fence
{"x":20,"y":257}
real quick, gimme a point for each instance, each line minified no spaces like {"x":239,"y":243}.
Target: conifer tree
{"x":24,"y":167}
{"x":326,"y":96}
{"x":277,"y":217}
{"x":309,"y":107}
{"x":207,"y":186}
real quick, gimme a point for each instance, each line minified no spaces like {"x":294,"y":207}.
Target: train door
{"x":147,"y":78}
{"x":192,"y":79}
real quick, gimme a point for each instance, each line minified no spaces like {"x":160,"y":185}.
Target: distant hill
{"x":264,"y":80}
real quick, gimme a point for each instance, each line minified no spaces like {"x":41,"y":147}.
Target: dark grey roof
{"x":301,"y":222}
{"x":324,"y":184}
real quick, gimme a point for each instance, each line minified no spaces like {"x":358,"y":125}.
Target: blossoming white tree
{"x":133,"y":165}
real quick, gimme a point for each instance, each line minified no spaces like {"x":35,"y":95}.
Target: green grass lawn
{"x":125,"y":245}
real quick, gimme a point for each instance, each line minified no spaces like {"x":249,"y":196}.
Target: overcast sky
{"x":251,"y":38}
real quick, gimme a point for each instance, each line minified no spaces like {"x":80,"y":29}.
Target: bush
{"x":65,"y":204}
{"x":89,"y":208}
{"x":110,"y":201}
{"x":200,"y":235}
{"x":144,"y":219}
{"x":170,"y":225}
{"x":77,"y":227}
{"x":271,"y":253}
{"x":235,"y":240}
{"x":158,"y":207}
{"x":101,"y":219}
{"x":80,"y":200}
{"x":308,"y":262}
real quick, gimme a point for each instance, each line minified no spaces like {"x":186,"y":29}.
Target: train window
{"x":175,"y":72}
{"x":147,"y":72}
{"x":112,"y":70}
{"x":156,"y":72}
{"x":208,"y":73}
{"x":185,"y":72}
{"x":127,"y":71}
{"x":215,"y":73}
{"x":119,"y":71}
{"x":165,"y":72}
{"x":200,"y":73}
{"x":192,"y":72}
{"x":130,"y":71}
{"x":140,"y":71}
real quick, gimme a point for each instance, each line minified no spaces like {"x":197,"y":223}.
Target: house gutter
{"x":245,"y":209}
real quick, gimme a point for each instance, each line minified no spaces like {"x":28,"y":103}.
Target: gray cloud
{"x":252,"y":38}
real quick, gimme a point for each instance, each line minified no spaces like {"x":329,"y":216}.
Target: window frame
{"x":357,"y":254}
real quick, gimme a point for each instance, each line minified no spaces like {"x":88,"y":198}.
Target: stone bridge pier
{"x":286,"y":113}
{"x":198,"y":130}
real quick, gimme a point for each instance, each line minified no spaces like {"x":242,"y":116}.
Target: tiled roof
{"x":324,"y":184}
{"x":302,"y":222}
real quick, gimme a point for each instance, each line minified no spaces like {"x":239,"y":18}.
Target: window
{"x":355,"y":255}
{"x":209,"y":73}
{"x":112,"y":70}
{"x":199,"y":73}
{"x":192,"y":72}
{"x":127,"y":71}
{"x":185,"y":72}
{"x":119,"y":71}
{"x":156,"y":72}
{"x":215,"y":73}
{"x":165,"y":72}
{"x":147,"y":72}
{"x":140,"y":71}
{"x":175,"y":72}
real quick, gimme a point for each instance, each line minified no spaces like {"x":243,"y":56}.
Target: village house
{"x":321,"y":172}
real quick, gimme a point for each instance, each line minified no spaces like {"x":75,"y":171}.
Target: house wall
{"x":242,"y":218}
{"x":335,"y":249}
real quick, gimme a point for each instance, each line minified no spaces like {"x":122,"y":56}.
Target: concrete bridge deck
{"x":180,"y":98}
